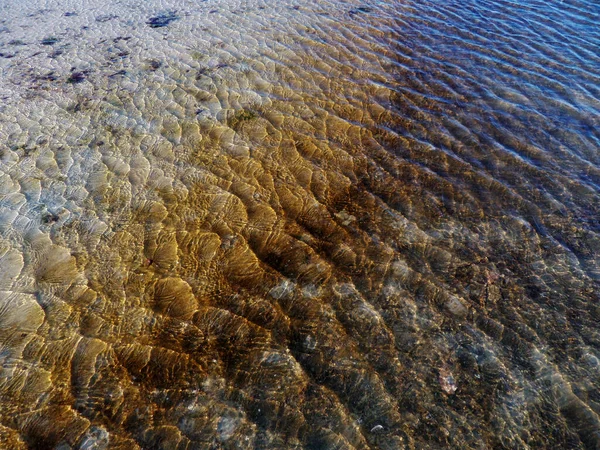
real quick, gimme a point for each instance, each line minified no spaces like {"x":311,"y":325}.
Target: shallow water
{"x":303,"y":225}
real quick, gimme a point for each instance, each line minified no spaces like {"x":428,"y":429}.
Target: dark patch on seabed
{"x":163,"y":19}
{"x":378,"y":229}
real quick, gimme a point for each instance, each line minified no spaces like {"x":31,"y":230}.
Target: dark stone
{"x":162,"y":20}
{"x":49,"y":218}
{"x":50,"y":76}
{"x":49,"y":41}
{"x":105,"y":18}
{"x":77,"y":77}
{"x":154,"y":64}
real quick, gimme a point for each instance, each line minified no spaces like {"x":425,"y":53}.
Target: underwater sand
{"x":299,"y":225}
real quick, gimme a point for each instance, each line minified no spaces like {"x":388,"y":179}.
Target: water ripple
{"x":353,"y":224}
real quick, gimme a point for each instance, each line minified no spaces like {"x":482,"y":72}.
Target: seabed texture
{"x":299,"y":224}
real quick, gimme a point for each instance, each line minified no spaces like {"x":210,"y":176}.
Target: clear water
{"x":300,"y":225}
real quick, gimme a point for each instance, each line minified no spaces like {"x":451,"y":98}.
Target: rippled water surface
{"x":299,"y":225}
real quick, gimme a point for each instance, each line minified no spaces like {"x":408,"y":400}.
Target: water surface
{"x":300,"y":225}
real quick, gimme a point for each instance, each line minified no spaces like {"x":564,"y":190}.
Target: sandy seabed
{"x":303,"y":225}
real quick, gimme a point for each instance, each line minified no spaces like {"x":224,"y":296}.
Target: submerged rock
{"x":96,"y":438}
{"x":447,"y":381}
